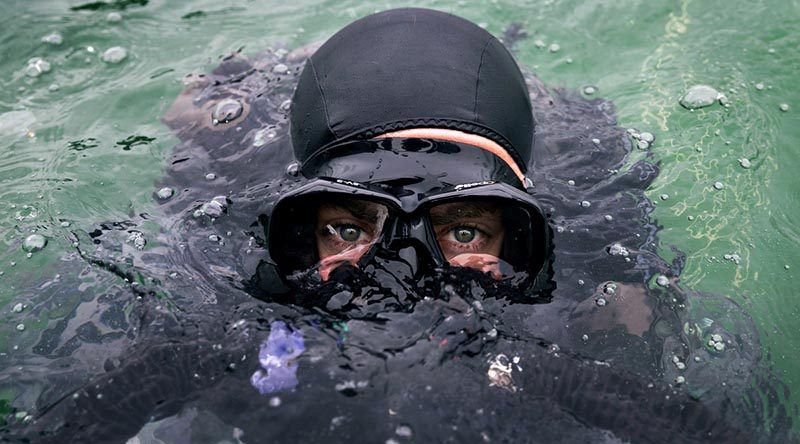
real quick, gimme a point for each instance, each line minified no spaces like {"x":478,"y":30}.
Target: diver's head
{"x":414,"y":129}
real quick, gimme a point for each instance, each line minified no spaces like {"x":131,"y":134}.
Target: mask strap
{"x":459,"y":137}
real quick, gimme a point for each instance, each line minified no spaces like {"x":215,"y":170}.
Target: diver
{"x":414,"y":129}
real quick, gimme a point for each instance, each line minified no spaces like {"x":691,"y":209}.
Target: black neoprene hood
{"x":411,"y":68}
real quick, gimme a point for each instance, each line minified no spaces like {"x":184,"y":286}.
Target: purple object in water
{"x":277,"y":357}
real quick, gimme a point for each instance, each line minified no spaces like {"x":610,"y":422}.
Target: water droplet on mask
{"x":275,"y":401}
{"x":53,"y":39}
{"x":227,"y":110}
{"x":36,"y":67}
{"x":114,"y":55}
{"x":34,"y":242}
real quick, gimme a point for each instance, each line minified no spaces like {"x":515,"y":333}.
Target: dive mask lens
{"x":323,"y":231}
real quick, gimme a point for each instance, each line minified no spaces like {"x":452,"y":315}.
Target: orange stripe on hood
{"x":459,"y":137}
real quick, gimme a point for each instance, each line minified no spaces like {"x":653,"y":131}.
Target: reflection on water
{"x":619,"y":352}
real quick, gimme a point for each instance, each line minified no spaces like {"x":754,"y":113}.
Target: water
{"x":83,"y":144}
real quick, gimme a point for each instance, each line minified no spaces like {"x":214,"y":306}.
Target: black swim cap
{"x":411,"y":68}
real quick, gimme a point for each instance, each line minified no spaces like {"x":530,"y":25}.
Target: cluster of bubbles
{"x":37,"y":66}
{"x":643,"y":140}
{"x":214,"y":208}
{"x":137,"y":239}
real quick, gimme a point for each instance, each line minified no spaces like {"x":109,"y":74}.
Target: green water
{"x":643,"y":55}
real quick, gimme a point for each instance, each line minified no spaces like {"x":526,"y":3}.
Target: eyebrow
{"x":363,"y":210}
{"x":457,"y":212}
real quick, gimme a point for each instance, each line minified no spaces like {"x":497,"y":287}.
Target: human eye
{"x":463,"y":238}
{"x":345,"y":233}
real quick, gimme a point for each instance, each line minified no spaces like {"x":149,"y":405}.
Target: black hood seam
{"x":322,"y":94}
{"x":478,"y":77}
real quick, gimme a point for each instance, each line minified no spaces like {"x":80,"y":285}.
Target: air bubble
{"x":586,"y":204}
{"x":403,"y":431}
{"x":53,"y":39}
{"x":292,"y":169}
{"x":226,"y":111}
{"x":114,"y":17}
{"x":280,"y":68}
{"x":601,"y":302}
{"x":165,"y":193}
{"x":555,"y":47}
{"x":719,"y":185}
{"x":114,"y":55}
{"x":589,"y":90}
{"x":783,"y":107}
{"x":662,"y":280}
{"x":700,"y":96}
{"x":745,"y":163}
{"x":34,"y":242}
{"x":211,"y":176}
{"x":18,"y":308}
{"x":36,"y":67}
